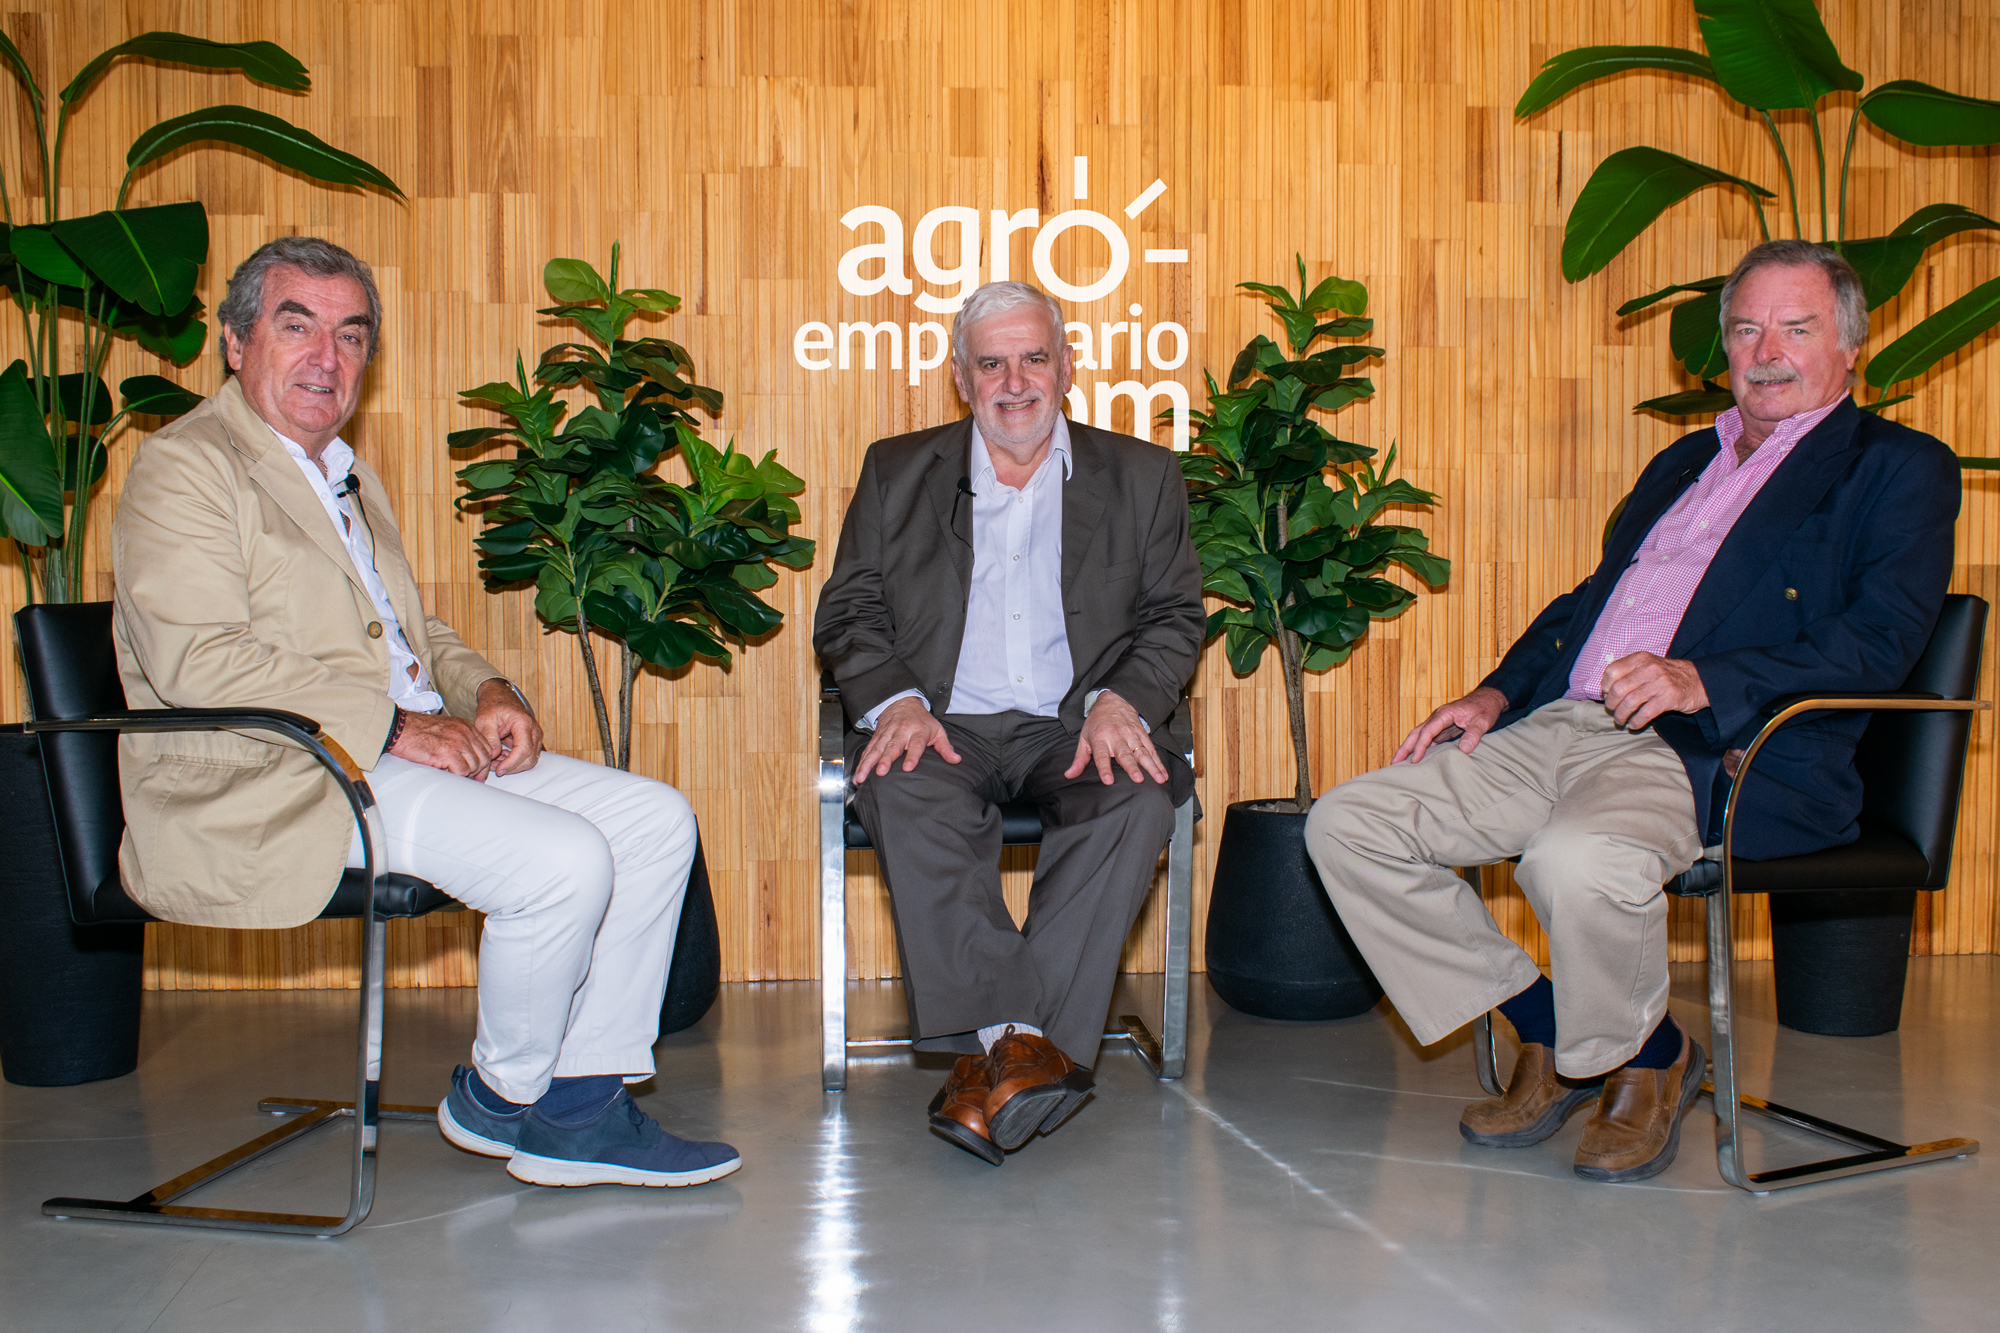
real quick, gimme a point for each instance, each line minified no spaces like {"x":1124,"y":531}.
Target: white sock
{"x":987,"y":1036}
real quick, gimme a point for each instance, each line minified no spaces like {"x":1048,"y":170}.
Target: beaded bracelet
{"x":395,"y":731}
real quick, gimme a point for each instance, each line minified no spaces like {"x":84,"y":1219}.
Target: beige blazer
{"x":233,"y":590}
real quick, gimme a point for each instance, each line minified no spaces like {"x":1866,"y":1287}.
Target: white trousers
{"x":580,"y":870}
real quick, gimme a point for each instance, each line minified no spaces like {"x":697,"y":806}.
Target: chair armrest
{"x":1847,"y":701}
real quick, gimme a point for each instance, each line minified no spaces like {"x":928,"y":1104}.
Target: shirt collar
{"x":980,"y":463}
{"x":337,"y":456}
{"x":1729,"y":429}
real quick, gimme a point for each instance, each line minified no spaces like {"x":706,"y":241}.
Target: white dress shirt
{"x":1015,"y":654}
{"x":410,"y":686}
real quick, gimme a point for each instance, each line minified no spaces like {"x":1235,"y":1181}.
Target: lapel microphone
{"x":964,"y":489}
{"x":349,"y":485}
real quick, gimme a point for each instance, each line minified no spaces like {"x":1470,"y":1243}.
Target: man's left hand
{"x":1113,"y":732}
{"x":1638,"y":687}
{"x":510,"y":730}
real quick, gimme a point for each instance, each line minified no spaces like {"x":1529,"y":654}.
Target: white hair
{"x":996,"y":298}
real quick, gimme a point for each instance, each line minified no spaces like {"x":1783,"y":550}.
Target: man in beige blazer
{"x":258,"y":565}
{"x":1013,"y":611}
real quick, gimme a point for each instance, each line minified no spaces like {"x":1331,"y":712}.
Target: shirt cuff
{"x":1090,"y":702}
{"x":874,"y":715}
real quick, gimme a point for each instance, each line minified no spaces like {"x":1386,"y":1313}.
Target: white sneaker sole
{"x":537,"y":1170}
{"x":459,"y":1136}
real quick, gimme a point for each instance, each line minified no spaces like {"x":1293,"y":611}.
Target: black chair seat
{"x":397,"y":896}
{"x":1878,"y":859}
{"x":1020,"y":826}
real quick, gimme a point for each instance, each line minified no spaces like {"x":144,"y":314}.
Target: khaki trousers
{"x":1600,"y":817}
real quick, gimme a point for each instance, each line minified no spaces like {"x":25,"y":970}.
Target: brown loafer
{"x":1035,"y":1087}
{"x":1537,"y":1102}
{"x":1637,"y":1128}
{"x":958,"y":1112}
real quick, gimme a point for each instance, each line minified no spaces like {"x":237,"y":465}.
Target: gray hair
{"x":1850,"y":302}
{"x":996,"y":298}
{"x":313,"y":257}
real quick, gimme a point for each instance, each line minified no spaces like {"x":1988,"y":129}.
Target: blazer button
{"x":1559,"y":643}
{"x":1791,"y":594}
{"x":374,"y":629}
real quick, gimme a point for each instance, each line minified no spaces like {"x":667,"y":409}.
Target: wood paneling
{"x":722,"y":142}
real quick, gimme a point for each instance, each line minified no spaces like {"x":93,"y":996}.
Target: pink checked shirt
{"x":1653,"y":593}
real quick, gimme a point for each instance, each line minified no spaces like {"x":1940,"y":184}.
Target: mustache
{"x":1771,"y":374}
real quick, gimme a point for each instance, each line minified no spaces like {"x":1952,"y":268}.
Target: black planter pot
{"x":69,"y":994}
{"x":1839,"y":960}
{"x":1275,"y":947}
{"x":695,"y":975}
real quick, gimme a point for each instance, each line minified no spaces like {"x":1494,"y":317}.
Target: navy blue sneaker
{"x":465,"y":1121}
{"x":620,"y":1145}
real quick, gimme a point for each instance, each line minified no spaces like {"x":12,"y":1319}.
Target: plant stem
{"x":1819,"y":153}
{"x":1791,"y":185}
{"x":596,"y":685}
{"x":1292,"y":659}
{"x":1846,"y":158}
{"x":27,"y":575}
{"x":630,"y":667}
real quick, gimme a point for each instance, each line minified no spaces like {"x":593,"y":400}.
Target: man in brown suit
{"x":258,"y":565}
{"x":1013,"y":610}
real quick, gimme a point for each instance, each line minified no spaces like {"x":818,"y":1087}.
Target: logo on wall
{"x":876,"y":266}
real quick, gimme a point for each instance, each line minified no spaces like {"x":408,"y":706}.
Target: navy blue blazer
{"x":1829,"y":582}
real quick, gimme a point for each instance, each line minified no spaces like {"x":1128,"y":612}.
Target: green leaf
{"x":1882,"y":404}
{"x":1772,"y":55}
{"x":19,"y":64}
{"x":260,"y":132}
{"x":1244,"y":645}
{"x":266,"y":62}
{"x":574,"y":282}
{"x":1638,"y":303}
{"x":466,"y":439}
{"x":1885,"y":263}
{"x":1920,"y":114}
{"x":177,"y":337}
{"x":149,"y":256}
{"x":672,"y":644}
{"x":1695,"y":334}
{"x":1572,"y":69}
{"x":654,"y":300}
{"x":31,"y":491}
{"x":44,"y":256}
{"x":1624,"y":196}
{"x":1246,"y":360}
{"x":1937,"y":337}
{"x":69,"y":388}
{"x":1281,"y":297}
{"x":1343,"y":294}
{"x":1702,"y":402}
{"x":157,"y":396}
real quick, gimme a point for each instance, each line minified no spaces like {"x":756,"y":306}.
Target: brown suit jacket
{"x":892,"y":615}
{"x":234,"y":591}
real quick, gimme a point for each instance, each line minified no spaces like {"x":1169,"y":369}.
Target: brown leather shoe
{"x":1035,"y":1087}
{"x":958,"y":1112}
{"x":1637,"y":1128}
{"x":1537,"y":1102}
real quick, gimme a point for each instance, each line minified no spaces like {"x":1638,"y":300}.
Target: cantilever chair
{"x":79,"y":707}
{"x":1020,"y":825}
{"x":1912,"y":766}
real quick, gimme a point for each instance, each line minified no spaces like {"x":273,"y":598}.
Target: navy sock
{"x":482,"y":1092}
{"x":1661,"y":1049}
{"x":1533,"y":1014}
{"x":575,"y":1100}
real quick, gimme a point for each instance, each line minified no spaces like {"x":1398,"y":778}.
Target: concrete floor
{"x":1301,"y":1176}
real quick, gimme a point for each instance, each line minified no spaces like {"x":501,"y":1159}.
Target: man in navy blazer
{"x":1799,"y":545}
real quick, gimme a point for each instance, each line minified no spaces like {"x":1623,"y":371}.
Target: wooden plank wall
{"x":723,"y":141}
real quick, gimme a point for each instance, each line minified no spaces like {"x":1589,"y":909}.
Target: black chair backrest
{"x":1912,"y":765}
{"x":72,"y":672}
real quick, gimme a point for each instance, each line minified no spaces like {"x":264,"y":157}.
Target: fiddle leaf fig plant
{"x":1776,"y":57}
{"x":82,"y":284}
{"x":668,"y":571}
{"x":1288,"y":518}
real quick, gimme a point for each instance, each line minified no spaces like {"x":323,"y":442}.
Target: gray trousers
{"x":1600,"y":817}
{"x":937,"y":832}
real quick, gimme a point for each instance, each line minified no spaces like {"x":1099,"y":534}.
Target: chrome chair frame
{"x":1722,"y":1087}
{"x":158,"y":1205}
{"x":1166,"y":1054}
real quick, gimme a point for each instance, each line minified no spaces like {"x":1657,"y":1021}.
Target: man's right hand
{"x":1465,"y":719}
{"x":904,"y":731}
{"x":442,"y":741}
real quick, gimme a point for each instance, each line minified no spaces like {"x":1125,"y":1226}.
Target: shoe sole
{"x":461,"y":1137}
{"x":953,"y":1132}
{"x":1037,"y":1110}
{"x":1652,"y":1166}
{"x":1551,"y":1121}
{"x":538,"y":1170}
